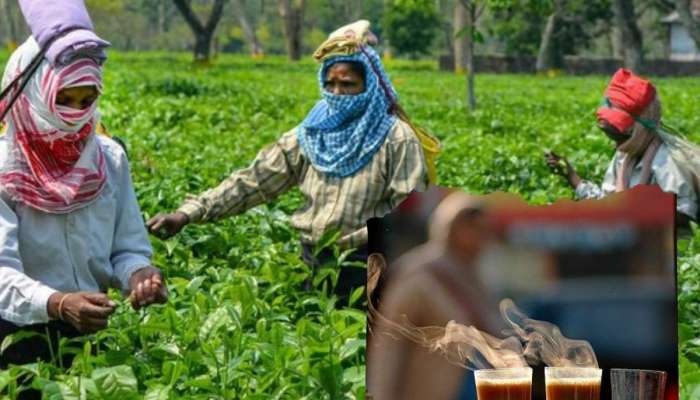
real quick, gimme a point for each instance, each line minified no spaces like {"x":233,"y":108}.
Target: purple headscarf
{"x":69,"y":22}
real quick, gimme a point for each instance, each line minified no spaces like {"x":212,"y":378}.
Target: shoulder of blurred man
{"x":415,"y":261}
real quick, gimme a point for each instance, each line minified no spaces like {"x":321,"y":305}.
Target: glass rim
{"x":503,"y":369}
{"x":573,"y":368}
{"x":646,"y":371}
{"x":572,"y":374}
{"x":523,"y":374}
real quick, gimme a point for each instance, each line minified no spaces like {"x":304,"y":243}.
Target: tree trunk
{"x":460,"y":23}
{"x":162,"y":16}
{"x":688,"y":20}
{"x":547,"y":57}
{"x":616,"y":43}
{"x":292,"y":13}
{"x":12,"y":36}
{"x":471,"y":89}
{"x":246,"y":27}
{"x":448,"y":31}
{"x":202,"y":33}
{"x":468,"y":35}
{"x":625,"y":19}
{"x":202,"y":47}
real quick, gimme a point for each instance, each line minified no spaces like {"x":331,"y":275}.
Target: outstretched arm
{"x":562,"y":167}
{"x":276,"y":169}
{"x":131,"y":250}
{"x":584,"y":189}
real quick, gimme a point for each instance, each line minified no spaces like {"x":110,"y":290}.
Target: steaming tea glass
{"x":636,"y":384}
{"x":504,"y":384}
{"x":572,"y":383}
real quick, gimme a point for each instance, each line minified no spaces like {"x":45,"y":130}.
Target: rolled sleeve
{"x":588,"y":190}
{"x":23,"y":300}
{"x":131,"y":249}
{"x":192,"y":208}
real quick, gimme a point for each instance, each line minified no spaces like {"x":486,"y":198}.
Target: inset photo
{"x":487,"y":297}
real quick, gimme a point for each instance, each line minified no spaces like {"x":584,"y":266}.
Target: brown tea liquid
{"x":495,"y":390}
{"x":573,"y":389}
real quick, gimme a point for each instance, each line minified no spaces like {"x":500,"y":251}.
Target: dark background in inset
{"x":615,"y":282}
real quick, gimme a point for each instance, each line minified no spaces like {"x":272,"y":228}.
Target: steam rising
{"x":464,"y":346}
{"x":544,"y":341}
{"x":530,"y":341}
{"x":474,"y":349}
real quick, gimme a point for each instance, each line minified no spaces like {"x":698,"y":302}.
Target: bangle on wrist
{"x":60,"y":306}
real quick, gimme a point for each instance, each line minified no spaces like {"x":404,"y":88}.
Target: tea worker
{"x":351,"y":157}
{"x":70,"y":225}
{"x":647,"y":150}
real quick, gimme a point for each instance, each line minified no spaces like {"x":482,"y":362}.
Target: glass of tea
{"x":504,"y":384}
{"x":637,"y":384}
{"x":564,"y":383}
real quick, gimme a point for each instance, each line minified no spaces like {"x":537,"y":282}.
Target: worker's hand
{"x":165,"y":226}
{"x":88,"y":312}
{"x":562,"y":167}
{"x":147,"y":287}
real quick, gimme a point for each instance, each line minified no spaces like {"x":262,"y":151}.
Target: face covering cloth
{"x":54,"y":163}
{"x":342,"y":132}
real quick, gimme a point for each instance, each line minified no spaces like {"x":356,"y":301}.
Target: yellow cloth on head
{"x":345,"y":41}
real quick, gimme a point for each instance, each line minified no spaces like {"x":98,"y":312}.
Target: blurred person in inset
{"x":648,"y":152}
{"x":430,"y":285}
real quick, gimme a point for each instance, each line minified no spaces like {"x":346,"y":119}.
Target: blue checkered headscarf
{"x":342,"y":132}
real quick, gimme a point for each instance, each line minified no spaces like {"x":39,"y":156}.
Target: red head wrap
{"x":628,"y":95}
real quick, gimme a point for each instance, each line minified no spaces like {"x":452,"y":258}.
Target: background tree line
{"x":548,"y":29}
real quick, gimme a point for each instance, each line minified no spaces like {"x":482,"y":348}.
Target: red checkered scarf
{"x":54,"y":161}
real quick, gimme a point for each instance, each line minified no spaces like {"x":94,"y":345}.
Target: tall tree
{"x":626,"y":20}
{"x":548,"y":29}
{"x":12,"y":36}
{"x":548,"y":52}
{"x":202,"y":33}
{"x":689,"y":18}
{"x":248,"y":30}
{"x":411,"y":26}
{"x":446,"y":15}
{"x":459,"y":24}
{"x":292,"y":13}
{"x":473,"y":9}
{"x":158,"y":12}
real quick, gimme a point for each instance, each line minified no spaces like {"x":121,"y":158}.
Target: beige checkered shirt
{"x":332,"y":203}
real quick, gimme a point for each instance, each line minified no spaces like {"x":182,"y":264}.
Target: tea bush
{"x":237,"y":324}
